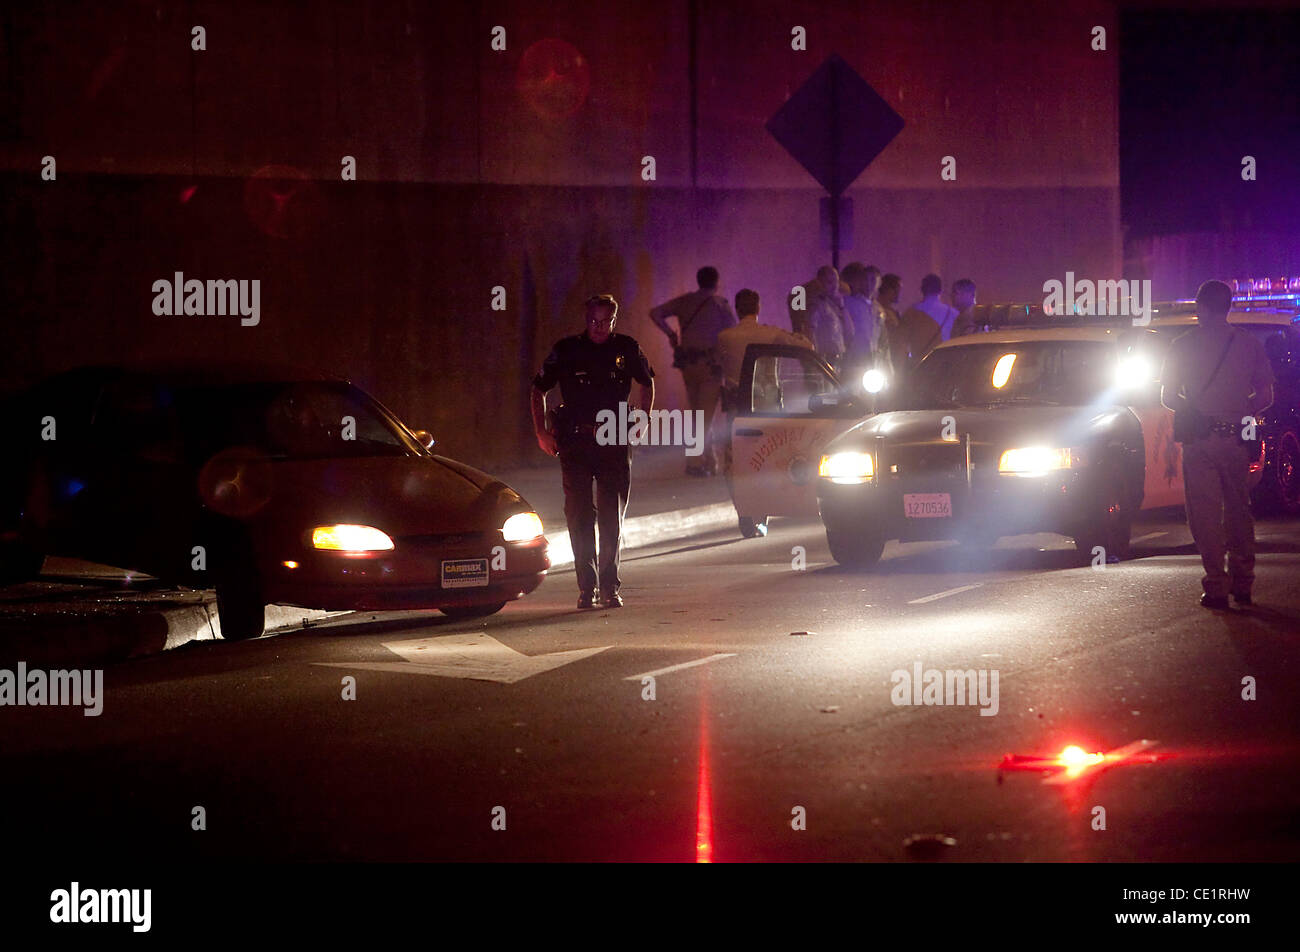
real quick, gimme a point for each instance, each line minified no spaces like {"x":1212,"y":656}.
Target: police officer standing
{"x":1216,"y":379}
{"x":701,"y":316}
{"x":595,"y":371}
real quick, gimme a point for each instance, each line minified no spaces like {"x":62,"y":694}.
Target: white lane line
{"x":1149,"y":535}
{"x":679,"y":667}
{"x":938,"y":595}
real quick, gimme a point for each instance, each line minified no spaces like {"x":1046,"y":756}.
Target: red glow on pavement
{"x":704,"y":793}
{"x":188,"y":192}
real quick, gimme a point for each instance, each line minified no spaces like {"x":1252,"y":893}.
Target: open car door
{"x":789,"y":405}
{"x":1163,"y":476}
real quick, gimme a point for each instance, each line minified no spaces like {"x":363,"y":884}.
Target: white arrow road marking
{"x":938,"y":595}
{"x":678,"y":667}
{"x":1149,"y":535}
{"x":474,"y":655}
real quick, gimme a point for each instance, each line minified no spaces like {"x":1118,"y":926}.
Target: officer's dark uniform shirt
{"x":593,"y":377}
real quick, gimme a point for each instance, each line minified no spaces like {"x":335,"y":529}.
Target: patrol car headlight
{"x":522,"y":527}
{"x":847,"y":468}
{"x":1133,"y":370}
{"x":1034,"y":460}
{"x":347,"y":538}
{"x":873,"y":381}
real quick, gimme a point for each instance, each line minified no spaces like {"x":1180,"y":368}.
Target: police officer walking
{"x":595,"y":371}
{"x":1216,"y":379}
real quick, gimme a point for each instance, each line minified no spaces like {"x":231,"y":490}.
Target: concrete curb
{"x":129,"y":631}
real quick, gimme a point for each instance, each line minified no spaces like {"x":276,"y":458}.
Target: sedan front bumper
{"x":419,"y":572}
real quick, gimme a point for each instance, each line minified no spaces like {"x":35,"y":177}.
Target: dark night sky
{"x":1198,"y":91}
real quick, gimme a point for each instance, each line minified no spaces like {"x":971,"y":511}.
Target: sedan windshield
{"x":315,"y":420}
{"x":1068,"y":373}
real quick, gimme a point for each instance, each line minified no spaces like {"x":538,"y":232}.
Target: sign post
{"x":835,"y":125}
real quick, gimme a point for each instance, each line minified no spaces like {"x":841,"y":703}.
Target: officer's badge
{"x":620,"y":361}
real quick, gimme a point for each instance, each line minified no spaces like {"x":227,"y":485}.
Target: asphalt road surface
{"x":569,"y":755}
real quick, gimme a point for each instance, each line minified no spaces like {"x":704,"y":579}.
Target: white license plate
{"x":464,"y":573}
{"x":927,"y":505}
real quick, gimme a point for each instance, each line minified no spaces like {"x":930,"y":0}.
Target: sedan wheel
{"x":241,"y":607}
{"x":19,"y":562}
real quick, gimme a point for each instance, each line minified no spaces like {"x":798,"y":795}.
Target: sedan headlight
{"x":847,"y":467}
{"x":1034,"y":460}
{"x":345,"y":538}
{"x":522,"y":527}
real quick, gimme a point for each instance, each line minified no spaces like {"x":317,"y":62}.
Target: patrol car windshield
{"x":313,"y":420}
{"x":1046,"y":373}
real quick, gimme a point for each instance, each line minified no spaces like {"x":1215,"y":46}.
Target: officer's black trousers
{"x":583,"y":461}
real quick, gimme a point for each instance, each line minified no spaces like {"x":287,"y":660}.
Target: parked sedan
{"x":268,"y":484}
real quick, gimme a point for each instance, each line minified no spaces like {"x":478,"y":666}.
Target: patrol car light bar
{"x":994,"y":316}
{"x":1247,"y":294}
{"x":1285,"y":291}
{"x":1250,"y":286}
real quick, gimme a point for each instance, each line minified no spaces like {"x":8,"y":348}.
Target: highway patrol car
{"x":1046,"y":425}
{"x":1023,"y":429}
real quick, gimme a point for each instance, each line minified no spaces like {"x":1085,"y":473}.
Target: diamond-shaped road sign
{"x":835,"y":125}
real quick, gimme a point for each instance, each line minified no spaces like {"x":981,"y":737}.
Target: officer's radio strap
{"x":1227,"y":346}
{"x":695,"y":313}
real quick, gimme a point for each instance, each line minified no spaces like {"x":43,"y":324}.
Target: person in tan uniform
{"x":963,"y":300}
{"x":1216,"y":378}
{"x":701,"y":316}
{"x":916,"y":333}
{"x":731,"y":352}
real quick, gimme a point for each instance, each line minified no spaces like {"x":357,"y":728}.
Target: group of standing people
{"x":850,"y":318}
{"x":853,"y":318}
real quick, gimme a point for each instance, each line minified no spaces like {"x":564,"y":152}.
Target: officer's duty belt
{"x":1224,"y":429}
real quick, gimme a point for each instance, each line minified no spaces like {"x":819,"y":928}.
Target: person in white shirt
{"x":943,"y":314}
{"x":865,"y":313}
{"x":823,"y":319}
{"x":828,"y":322}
